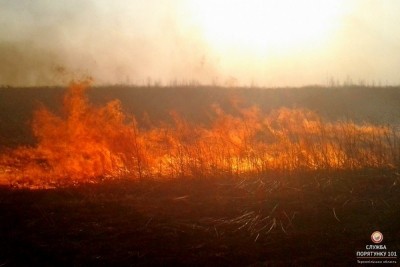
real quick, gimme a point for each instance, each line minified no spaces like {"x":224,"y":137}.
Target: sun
{"x":266,"y":25}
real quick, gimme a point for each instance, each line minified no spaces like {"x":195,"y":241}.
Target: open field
{"x":199,"y":133}
{"x":379,"y":105}
{"x":197,"y":176}
{"x":274,"y":220}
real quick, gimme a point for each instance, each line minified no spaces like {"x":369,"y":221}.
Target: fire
{"x":87,"y":143}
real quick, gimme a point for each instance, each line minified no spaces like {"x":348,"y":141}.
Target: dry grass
{"x":91,"y":143}
{"x":277,"y":189}
{"x":274,"y":220}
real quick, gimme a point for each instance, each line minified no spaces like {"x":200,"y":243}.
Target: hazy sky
{"x":271,"y":43}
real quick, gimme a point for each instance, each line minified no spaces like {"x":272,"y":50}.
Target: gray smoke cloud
{"x":114,"y":43}
{"x":47,"y":42}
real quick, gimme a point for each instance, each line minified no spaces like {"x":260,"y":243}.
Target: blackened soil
{"x":276,"y":220}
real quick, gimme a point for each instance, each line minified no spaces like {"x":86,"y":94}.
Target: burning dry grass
{"x":87,"y":143}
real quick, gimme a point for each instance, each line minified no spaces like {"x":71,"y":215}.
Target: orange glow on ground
{"x":88,"y":144}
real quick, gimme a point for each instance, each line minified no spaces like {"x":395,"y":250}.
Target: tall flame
{"x":83,"y":144}
{"x":87,"y":143}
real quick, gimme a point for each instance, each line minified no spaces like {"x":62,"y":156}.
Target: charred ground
{"x":276,"y":220}
{"x":271,"y":218}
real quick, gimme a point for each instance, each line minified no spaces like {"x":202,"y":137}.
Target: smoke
{"x":121,"y":42}
{"x":113,"y":43}
{"x":367,"y":45}
{"x":23,"y":63}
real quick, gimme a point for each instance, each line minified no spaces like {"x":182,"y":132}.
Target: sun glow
{"x":266,"y":26}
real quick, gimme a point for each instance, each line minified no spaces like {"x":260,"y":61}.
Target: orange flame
{"x":84,"y":144}
{"x":88,"y":143}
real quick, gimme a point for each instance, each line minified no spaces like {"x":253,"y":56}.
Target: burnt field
{"x":197,"y":176}
{"x":274,"y":220}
